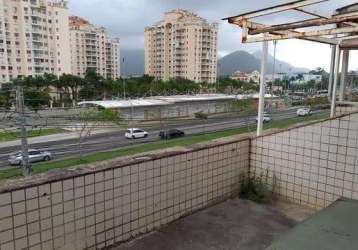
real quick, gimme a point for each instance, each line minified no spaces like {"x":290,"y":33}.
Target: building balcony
{"x":36,"y":14}
{"x":36,"y":24}
{"x":39,"y":49}
{"x":39,"y":56}
{"x":37,"y":32}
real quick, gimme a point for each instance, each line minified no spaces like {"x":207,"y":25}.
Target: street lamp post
{"x":124,"y":79}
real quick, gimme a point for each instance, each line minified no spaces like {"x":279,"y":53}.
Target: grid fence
{"x":312,"y":165}
{"x":346,"y":109}
{"x":96,"y":210}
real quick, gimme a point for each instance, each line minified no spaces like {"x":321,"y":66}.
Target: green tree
{"x":71,"y":85}
{"x":325,"y":77}
{"x":93,"y":86}
{"x":36,"y":99}
{"x":7,"y":97}
{"x":108,"y":88}
{"x":93,"y":119}
{"x":229,"y":86}
{"x":36,"y":91}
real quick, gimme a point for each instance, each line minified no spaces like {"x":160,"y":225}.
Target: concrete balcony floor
{"x":234,"y":224}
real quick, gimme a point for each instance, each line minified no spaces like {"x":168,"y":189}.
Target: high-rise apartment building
{"x":91,"y":48}
{"x":182,"y":45}
{"x":33,"y":38}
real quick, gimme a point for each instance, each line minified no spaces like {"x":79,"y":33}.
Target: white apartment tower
{"x":33,"y":38}
{"x":182,"y":45}
{"x":91,"y":48}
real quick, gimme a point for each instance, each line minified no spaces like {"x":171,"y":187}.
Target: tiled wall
{"x":95,"y":210}
{"x":311,"y":165}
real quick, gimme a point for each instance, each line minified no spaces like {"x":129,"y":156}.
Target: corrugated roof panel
{"x":168,"y":100}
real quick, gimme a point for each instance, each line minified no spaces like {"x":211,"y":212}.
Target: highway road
{"x":115,"y":140}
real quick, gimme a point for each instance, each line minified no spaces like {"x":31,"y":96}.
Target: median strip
{"x":152,"y":146}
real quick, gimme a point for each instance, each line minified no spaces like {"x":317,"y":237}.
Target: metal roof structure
{"x":343,"y":24}
{"x":168,"y":100}
{"x":126,"y":103}
{"x":193,"y":98}
{"x":339,"y":28}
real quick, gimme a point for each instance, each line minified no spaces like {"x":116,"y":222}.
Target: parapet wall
{"x":96,"y":208}
{"x":312,"y":165}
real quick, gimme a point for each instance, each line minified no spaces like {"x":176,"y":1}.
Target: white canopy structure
{"x":168,"y":100}
{"x":125,"y":103}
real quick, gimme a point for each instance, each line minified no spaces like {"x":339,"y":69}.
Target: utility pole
{"x":124,"y":80}
{"x":274,"y":65}
{"x":20,"y":108}
{"x":262,"y":89}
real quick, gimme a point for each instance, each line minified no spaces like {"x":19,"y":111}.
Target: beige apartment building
{"x":33,"y":38}
{"x":182,"y":45}
{"x":92,"y":48}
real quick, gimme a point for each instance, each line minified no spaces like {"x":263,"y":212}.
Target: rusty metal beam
{"x":327,"y":17}
{"x":350,"y":43}
{"x":253,"y":25}
{"x":300,"y":9}
{"x":274,"y":9}
{"x":303,"y":35}
{"x":304,"y":24}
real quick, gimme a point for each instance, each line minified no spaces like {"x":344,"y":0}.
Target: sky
{"x":127,"y":19}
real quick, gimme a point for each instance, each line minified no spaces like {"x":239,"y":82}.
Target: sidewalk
{"x":51,"y":138}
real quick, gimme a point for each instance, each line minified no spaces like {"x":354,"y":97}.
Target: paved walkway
{"x":52,"y":138}
{"x":235,"y":224}
{"x":333,"y":228}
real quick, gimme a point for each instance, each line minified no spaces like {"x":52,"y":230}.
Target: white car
{"x":266,"y":118}
{"x":134,"y":133}
{"x":304,"y":112}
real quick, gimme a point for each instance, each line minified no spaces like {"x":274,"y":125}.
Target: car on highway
{"x":134,"y":133}
{"x":171,"y":133}
{"x":304,"y":112}
{"x":16,"y":158}
{"x":266,"y":118}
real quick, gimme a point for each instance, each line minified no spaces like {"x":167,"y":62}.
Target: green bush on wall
{"x":257,"y":188}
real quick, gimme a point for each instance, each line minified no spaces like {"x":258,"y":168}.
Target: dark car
{"x":171,"y":133}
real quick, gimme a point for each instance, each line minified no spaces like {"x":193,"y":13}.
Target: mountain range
{"x":133,"y":63}
{"x":245,"y":62}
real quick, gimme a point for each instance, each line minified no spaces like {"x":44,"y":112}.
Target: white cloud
{"x":304,"y":54}
{"x":127,"y":19}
